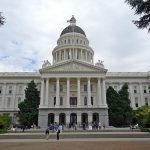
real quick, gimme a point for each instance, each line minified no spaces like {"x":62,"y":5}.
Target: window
{"x":8,"y":102}
{"x":85,"y":100}
{"x":135,"y":89}
{"x":146,"y":101}
{"x":61,"y":101}
{"x":54,"y":101}
{"x":136,"y":102}
{"x":61,"y":88}
{"x":10,"y":90}
{"x":91,"y":87}
{"x":20,"y":89}
{"x":91,"y":100}
{"x":77,"y":41}
{"x":68,"y":41}
{"x":0,"y":89}
{"x":65,"y":41}
{"x":144,"y":90}
{"x":19,"y":100}
{"x":54,"y":88}
{"x":85,"y":88}
{"x":80,"y":41}
{"x":73,"y":100}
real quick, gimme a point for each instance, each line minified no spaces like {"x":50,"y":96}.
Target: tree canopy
{"x":28,"y":114}
{"x":119,"y":109}
{"x":1,"y":19}
{"x":142,"y":8}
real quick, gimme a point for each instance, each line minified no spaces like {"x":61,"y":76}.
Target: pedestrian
{"x":58,"y":132}
{"x":47,"y":133}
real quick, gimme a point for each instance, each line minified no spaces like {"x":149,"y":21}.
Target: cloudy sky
{"x":33,"y":26}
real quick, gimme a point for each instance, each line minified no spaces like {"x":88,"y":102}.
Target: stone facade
{"x":72,"y":88}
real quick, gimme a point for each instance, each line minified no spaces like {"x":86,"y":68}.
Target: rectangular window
{"x":61,"y":101}
{"x":136,"y":102}
{"x":0,"y":89}
{"x":146,"y":101}
{"x":61,"y":88}
{"x":135,"y":91}
{"x":92,"y":101}
{"x":20,"y":89}
{"x":91,"y":88}
{"x":10,"y":90}
{"x":19,"y":100}
{"x":73,"y":100}
{"x":54,"y":101}
{"x":85,"y":88}
{"x":54,"y":88}
{"x":8,"y":102}
{"x":145,"y":91}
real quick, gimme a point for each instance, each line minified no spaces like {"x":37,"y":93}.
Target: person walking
{"x":47,"y":133}
{"x":58,"y":131}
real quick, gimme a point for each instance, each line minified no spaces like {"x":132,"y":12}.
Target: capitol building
{"x":72,"y":87}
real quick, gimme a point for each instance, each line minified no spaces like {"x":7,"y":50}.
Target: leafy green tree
{"x":5,"y":122}
{"x":28,"y":114}
{"x":143,"y":116}
{"x":125,"y":103}
{"x":142,"y":8}
{"x":1,"y":19}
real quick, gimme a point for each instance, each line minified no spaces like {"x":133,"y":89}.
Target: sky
{"x":33,"y":27}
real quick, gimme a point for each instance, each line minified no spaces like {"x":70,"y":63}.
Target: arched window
{"x":85,"y":100}
{"x":92,"y":102}
{"x":54,"y":101}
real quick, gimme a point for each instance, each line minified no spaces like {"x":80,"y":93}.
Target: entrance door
{"x":73,"y":119}
{"x":50,"y":119}
{"x":62,"y":118}
{"x":95,"y":117}
{"x":84,"y":118}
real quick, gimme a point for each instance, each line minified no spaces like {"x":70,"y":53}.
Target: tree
{"x":4,"y":122}
{"x":143,"y":116}
{"x":28,"y":114}
{"x":119,"y":110}
{"x":114,"y":108}
{"x":1,"y":19}
{"x":142,"y":8}
{"x":125,"y":102}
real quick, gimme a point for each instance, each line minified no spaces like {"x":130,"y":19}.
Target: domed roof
{"x":72,"y":28}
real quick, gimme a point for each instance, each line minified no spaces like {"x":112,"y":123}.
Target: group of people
{"x":55,"y":128}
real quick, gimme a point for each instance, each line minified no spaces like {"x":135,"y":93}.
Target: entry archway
{"x":51,"y":118}
{"x":95,"y":117}
{"x":84,"y":118}
{"x":73,"y":118}
{"x":62,"y":118}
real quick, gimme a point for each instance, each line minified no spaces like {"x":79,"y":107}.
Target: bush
{"x":3,"y":131}
{"x":145,"y":130}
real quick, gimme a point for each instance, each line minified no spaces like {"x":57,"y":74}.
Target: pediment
{"x":73,"y":66}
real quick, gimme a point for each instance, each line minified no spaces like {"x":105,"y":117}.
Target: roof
{"x":72,"y":28}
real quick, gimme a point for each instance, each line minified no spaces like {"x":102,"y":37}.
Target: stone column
{"x":56,"y":57}
{"x":89,"y":92}
{"x":131,"y":95}
{"x":76,"y":53}
{"x":89,"y":117}
{"x":70,"y":53}
{"x":79,"y":119}
{"x":57,"y":91}
{"x":3,"y":97}
{"x":57,"y":117}
{"x":81,"y":54}
{"x":42,"y":93}
{"x":68,"y":92}
{"x":99,"y":97}
{"x":64,"y":54}
{"x":104,"y":92}
{"x":141,"y":94}
{"x":86,"y":55}
{"x":47,"y":92}
{"x":78,"y":93}
{"x":14,"y":96}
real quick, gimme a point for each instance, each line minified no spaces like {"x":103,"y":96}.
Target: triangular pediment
{"x":73,"y":66}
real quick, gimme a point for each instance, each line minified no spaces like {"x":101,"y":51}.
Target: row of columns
{"x":72,"y":54}
{"x":101,"y":92}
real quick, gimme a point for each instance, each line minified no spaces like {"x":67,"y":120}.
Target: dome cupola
{"x":72,"y":44}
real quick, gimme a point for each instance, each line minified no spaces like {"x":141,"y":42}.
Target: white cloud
{"x":33,"y":27}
